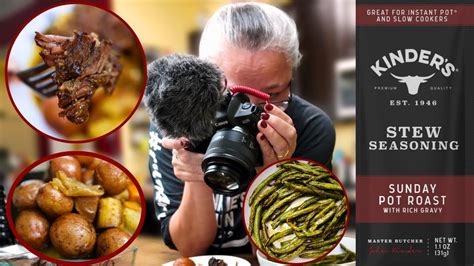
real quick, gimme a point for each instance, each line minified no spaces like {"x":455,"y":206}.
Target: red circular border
{"x":63,"y":262}
{"x":326,"y":253}
{"x":144,"y":65}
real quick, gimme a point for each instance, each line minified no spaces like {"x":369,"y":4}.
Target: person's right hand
{"x":186,"y":164}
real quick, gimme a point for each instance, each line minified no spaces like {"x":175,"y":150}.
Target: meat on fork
{"x":83,"y":64}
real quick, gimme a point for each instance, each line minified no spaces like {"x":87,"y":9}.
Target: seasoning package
{"x":415,"y":132}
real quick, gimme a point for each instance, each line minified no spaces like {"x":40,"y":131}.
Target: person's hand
{"x":186,"y":164}
{"x":277,"y":136}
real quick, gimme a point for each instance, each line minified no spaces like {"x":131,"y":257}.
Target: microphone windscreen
{"x":182,"y":95}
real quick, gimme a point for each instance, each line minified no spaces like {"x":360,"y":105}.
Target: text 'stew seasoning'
{"x":415,"y":132}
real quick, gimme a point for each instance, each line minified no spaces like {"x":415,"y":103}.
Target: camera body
{"x":232,"y":153}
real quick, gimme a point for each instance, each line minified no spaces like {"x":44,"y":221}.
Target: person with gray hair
{"x":255,"y":45}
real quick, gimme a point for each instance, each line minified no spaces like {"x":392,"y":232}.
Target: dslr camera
{"x":232,"y":153}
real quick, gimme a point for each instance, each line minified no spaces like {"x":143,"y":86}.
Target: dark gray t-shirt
{"x":315,"y":141}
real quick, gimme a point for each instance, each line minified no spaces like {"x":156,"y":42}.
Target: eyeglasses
{"x":282,"y":104}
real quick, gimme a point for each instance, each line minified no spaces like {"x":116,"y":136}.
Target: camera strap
{"x":251,"y":91}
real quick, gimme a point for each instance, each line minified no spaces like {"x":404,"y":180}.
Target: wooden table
{"x":152,"y":251}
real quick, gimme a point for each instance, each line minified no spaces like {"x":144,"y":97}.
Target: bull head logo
{"x":413,"y":82}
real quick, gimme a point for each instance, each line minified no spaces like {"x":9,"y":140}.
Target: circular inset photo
{"x":76,"y":72}
{"x":76,"y":207}
{"x":296,"y":211}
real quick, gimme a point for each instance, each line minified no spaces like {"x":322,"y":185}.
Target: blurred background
{"x":326,"y":78}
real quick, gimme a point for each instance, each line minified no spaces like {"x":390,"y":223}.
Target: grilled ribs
{"x":83,"y":63}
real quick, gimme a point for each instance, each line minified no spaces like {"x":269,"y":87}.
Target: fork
{"x":39,"y":78}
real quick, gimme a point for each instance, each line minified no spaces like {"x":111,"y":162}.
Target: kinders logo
{"x":413,"y":83}
{"x":422,"y":56}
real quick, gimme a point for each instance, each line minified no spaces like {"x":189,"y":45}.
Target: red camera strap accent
{"x":251,"y":91}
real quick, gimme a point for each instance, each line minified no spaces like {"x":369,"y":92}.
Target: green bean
{"x":264,"y":194}
{"x":347,"y":255}
{"x":282,"y":191}
{"x":324,"y":243}
{"x":346,"y":249}
{"x":263,"y":236}
{"x":282,"y":218}
{"x":333,"y":231}
{"x":312,"y":226}
{"x":298,"y":187}
{"x":294,"y":227}
{"x":276,"y":221}
{"x":340,"y":211}
{"x":333,"y":181}
{"x":287,"y":162}
{"x":294,"y":244}
{"x":304,"y":168}
{"x":285,"y":175}
{"x":311,"y":254}
{"x":264,"y":183}
{"x":307,"y":202}
{"x":297,"y":213}
{"x":256,"y":227}
{"x":307,"y":234}
{"x":324,"y":193}
{"x":251,"y":219}
{"x":335,"y":259}
{"x":325,"y":201}
{"x":320,"y":177}
{"x":324,"y":211}
{"x":294,"y":254}
{"x":285,"y":243}
{"x":286,"y":193}
{"x":310,"y":217}
{"x":270,"y":200}
{"x":278,"y":212}
{"x":279,"y":204}
{"x":299,"y":177}
{"x":278,"y":235}
{"x":300,"y":220}
{"x":326,"y":185}
{"x":317,"y":167}
{"x":323,"y":219}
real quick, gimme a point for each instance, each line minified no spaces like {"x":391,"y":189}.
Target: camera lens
{"x":230,"y":160}
{"x":222,"y":177}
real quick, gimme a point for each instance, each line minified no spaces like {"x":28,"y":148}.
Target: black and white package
{"x":415,"y":132}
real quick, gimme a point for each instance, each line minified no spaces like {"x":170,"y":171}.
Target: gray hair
{"x":252,"y":26}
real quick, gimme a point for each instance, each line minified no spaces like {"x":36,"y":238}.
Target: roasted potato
{"x":68,"y":164}
{"x":111,"y":240}
{"x":33,"y":228}
{"x":53,"y":202}
{"x":84,"y":160}
{"x":112,"y":179}
{"x":93,"y":165}
{"x":87,"y":207}
{"x":73,"y":236}
{"x":24,"y":196}
{"x":66,"y":217}
{"x":110,"y":213}
{"x":88,"y":177}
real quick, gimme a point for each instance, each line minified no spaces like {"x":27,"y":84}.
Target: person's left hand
{"x":277,"y":136}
